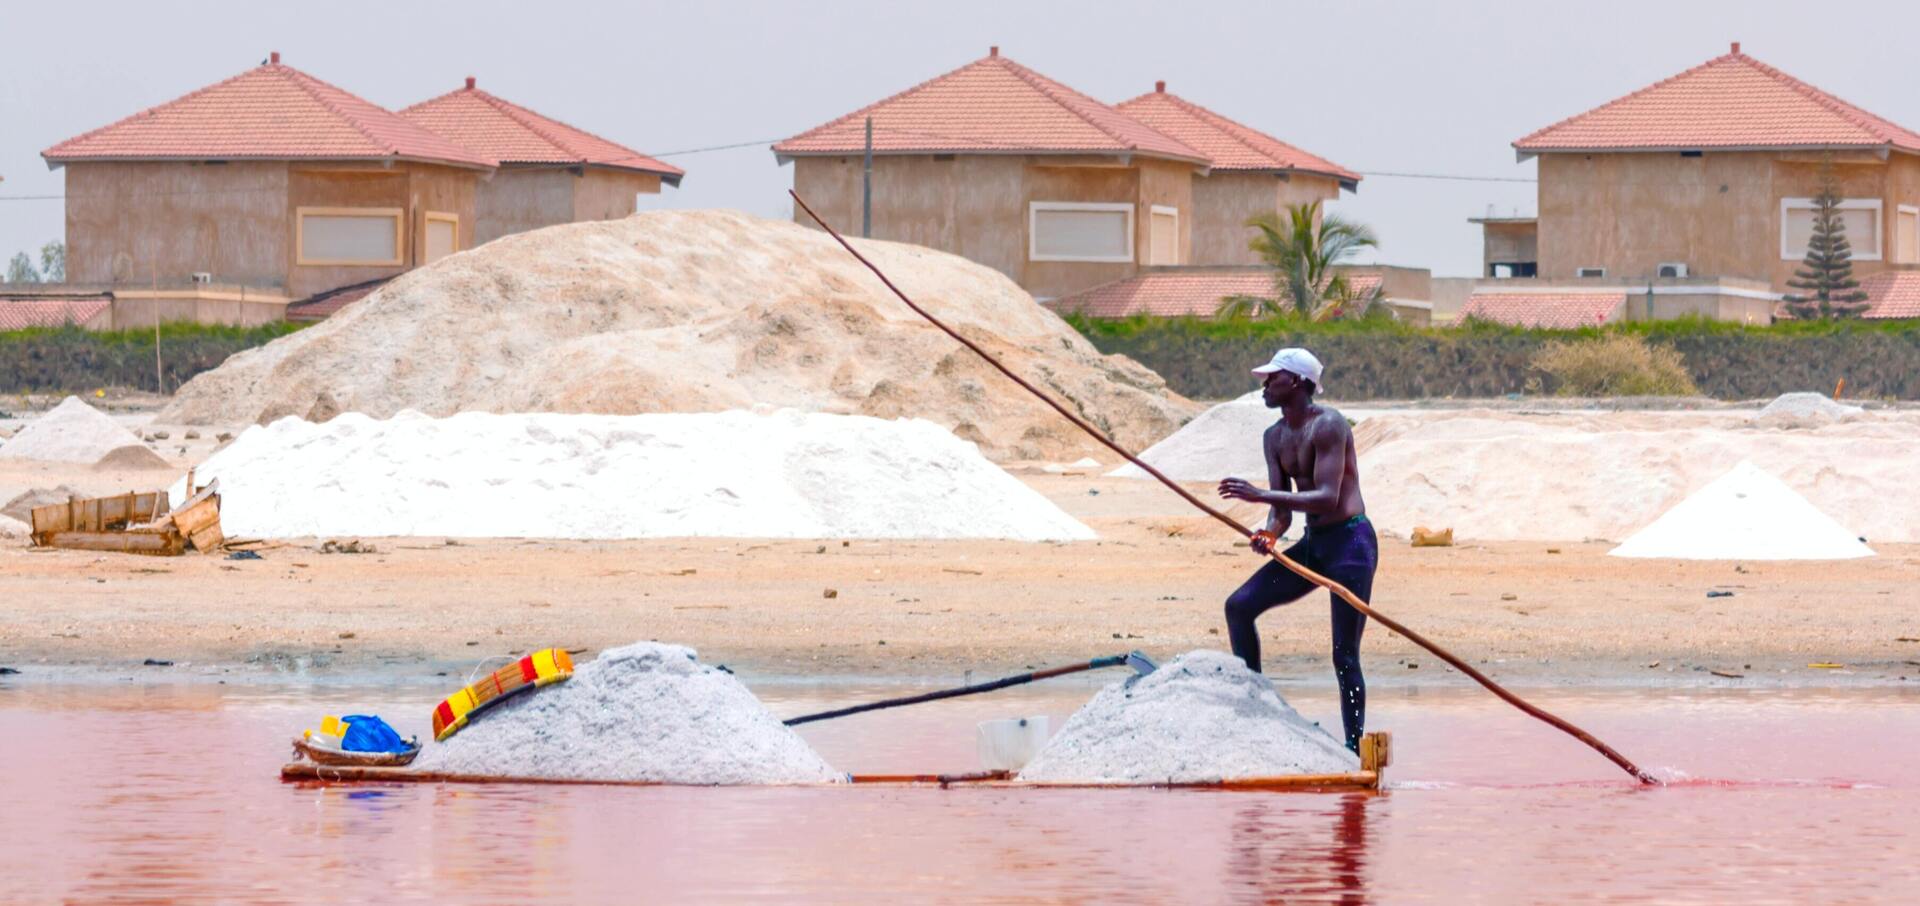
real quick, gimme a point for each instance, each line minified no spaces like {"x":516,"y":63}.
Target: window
{"x":1080,"y":231}
{"x":442,"y":236}
{"x":1906,"y":234}
{"x":1861,"y":216}
{"x":352,"y":236}
{"x":1163,"y":234}
{"x":1589,"y":271}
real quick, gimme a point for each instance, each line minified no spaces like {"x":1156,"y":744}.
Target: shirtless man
{"x":1312,"y":468}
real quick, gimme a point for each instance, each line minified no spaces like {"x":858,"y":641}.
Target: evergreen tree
{"x":20,"y":270}
{"x":1825,"y":276}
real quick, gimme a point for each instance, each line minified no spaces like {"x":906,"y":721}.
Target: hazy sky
{"x":1402,"y":87}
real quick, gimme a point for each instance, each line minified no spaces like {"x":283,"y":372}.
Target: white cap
{"x":1296,"y":360}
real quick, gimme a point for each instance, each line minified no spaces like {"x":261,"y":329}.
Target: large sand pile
{"x":1577,"y":475}
{"x":70,"y":432}
{"x":1202,"y":717}
{"x":773,"y":474}
{"x":644,"y":712}
{"x":696,"y":311}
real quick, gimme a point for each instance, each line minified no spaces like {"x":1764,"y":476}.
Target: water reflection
{"x":1302,"y":848}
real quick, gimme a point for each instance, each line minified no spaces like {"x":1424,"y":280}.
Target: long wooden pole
{"x":1118,"y":660}
{"x":1305,"y":573}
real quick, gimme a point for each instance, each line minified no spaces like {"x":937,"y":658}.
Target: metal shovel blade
{"x":1140,"y":663}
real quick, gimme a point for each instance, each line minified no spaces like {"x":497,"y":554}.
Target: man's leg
{"x":1353,"y":566}
{"x":1270,"y":587}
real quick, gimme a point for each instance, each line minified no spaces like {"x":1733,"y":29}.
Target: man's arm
{"x":1279,"y":518}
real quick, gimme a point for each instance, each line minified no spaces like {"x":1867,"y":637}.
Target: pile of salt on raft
{"x":1202,"y":717}
{"x":643,"y":712}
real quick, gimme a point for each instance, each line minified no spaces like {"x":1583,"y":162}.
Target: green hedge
{"x":72,"y":360}
{"x":1207,"y":358}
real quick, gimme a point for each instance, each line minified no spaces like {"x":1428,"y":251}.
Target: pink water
{"x":1785,"y":797}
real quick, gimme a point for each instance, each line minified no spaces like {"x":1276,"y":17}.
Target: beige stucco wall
{"x":414,"y":188}
{"x":1719,"y":213}
{"x":1225,"y":200}
{"x":976,"y":206}
{"x":518,"y":199}
{"x":165,"y":221}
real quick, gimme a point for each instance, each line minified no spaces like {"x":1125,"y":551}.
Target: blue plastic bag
{"x":366,"y":733}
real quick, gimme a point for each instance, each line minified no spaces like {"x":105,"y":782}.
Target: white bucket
{"x":1007,"y":745}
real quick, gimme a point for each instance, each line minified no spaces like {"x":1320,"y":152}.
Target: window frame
{"x":1600,"y":273}
{"x":1876,"y":205}
{"x":1170,"y":211}
{"x":427,"y":219}
{"x":1899,"y":211}
{"x":397,"y":215}
{"x":1033,"y":233}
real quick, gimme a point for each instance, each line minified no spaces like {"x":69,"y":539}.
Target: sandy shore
{"x":1528,"y":612}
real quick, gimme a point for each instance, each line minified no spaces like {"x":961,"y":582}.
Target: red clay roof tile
{"x":1555,"y":310}
{"x":1231,"y":145}
{"x":512,"y":134}
{"x":990,"y":105}
{"x":21,"y":313}
{"x":1730,"y":101}
{"x":270,"y":112}
{"x":1893,"y":294}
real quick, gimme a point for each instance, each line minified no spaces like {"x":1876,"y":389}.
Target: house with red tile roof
{"x":1061,"y":192}
{"x":1708,"y":176}
{"x":1198,"y":292}
{"x":1893,"y":294}
{"x":228,"y":203}
{"x":550,"y":172}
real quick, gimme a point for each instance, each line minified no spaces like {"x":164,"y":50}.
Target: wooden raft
{"x":1376,"y":753}
{"x":132,"y":523}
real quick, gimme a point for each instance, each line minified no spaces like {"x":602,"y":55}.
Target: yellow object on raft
{"x":548,"y":665}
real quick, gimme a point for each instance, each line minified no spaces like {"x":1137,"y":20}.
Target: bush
{"x":1207,"y":358}
{"x":1614,"y":365}
{"x":72,"y":360}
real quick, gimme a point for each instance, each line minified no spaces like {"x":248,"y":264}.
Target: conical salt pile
{"x":70,"y":432}
{"x":1746,"y":514}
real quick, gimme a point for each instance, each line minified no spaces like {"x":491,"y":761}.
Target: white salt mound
{"x":1791,"y":411}
{"x":644,"y":712}
{"x":697,"y":311}
{"x":779,"y":474}
{"x":11,"y":528}
{"x":70,"y":432}
{"x":1746,"y":514}
{"x":1202,"y":717}
{"x":1220,"y":442}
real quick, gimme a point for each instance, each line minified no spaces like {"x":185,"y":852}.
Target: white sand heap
{"x":1220,"y":442}
{"x":13,"y":529}
{"x":1789,"y":411}
{"x":70,"y":432}
{"x":1202,"y":717}
{"x":697,"y":311}
{"x":643,"y":712}
{"x":779,"y":474}
{"x":1578,"y":475}
{"x":1746,"y":514}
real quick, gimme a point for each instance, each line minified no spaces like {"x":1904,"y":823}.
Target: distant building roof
{"x":320,"y":306}
{"x":1893,"y":294}
{"x":1231,"y":145}
{"x":992,"y":105}
{"x":1550,"y":309}
{"x":512,"y":134}
{"x":269,"y":112}
{"x":1730,"y":101}
{"x":20,"y":311}
{"x":1172,"y":294}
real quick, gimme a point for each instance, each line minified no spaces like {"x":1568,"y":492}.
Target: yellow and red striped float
{"x":548,"y":665}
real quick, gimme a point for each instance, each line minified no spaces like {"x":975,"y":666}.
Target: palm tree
{"x":1302,"y":248}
